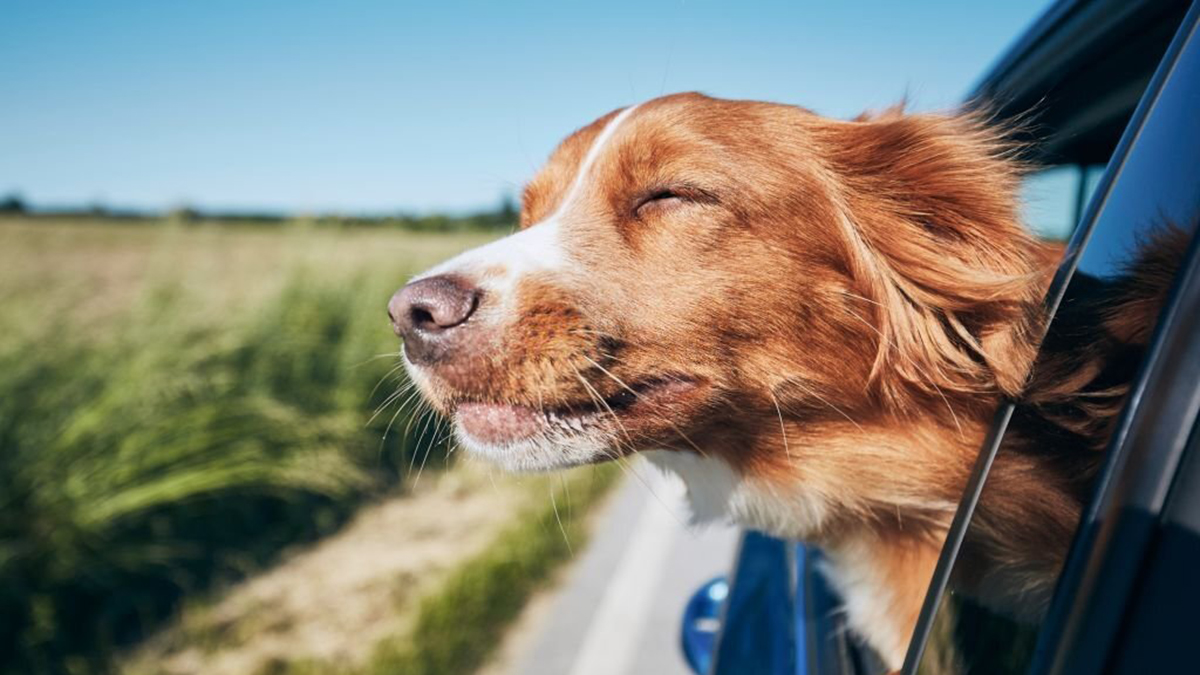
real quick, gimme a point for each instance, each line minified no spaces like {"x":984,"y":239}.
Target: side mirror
{"x":702,"y":622}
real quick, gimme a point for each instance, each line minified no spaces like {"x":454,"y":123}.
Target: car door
{"x":1147,"y":203}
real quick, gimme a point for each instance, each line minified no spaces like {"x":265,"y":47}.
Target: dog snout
{"x":429,"y":313}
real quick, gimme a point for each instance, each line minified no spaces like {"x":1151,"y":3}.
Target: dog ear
{"x":930,"y":218}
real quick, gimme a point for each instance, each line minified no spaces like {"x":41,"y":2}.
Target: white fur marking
{"x":589,"y":159}
{"x":538,"y":247}
{"x":869,"y":601}
{"x":497,"y":268}
{"x":718,"y":493}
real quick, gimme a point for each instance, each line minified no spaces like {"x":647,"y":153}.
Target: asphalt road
{"x":619,"y":611}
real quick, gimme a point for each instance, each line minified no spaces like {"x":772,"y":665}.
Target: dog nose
{"x":426,"y":313}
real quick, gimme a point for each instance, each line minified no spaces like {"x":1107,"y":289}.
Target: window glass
{"x":1091,"y":180}
{"x":1052,"y":198}
{"x":1048,"y":201}
{"x":1043,"y":474}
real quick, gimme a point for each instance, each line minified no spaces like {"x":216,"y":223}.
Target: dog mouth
{"x":635,"y":408}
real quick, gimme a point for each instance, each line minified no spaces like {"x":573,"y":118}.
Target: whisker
{"x":400,"y":409}
{"x":685,"y":437}
{"x":820,"y":398}
{"x":637,"y":395}
{"x":614,"y":378}
{"x":596,"y":397}
{"x":429,"y":418}
{"x":385,"y":376}
{"x":566,"y":487}
{"x":786,"y":449}
{"x":389,"y":400}
{"x":415,"y":414}
{"x":492,"y":478}
{"x":388,"y":355}
{"x":558,"y":519}
{"x":859,"y":297}
{"x":437,"y":425}
{"x":621,"y":461}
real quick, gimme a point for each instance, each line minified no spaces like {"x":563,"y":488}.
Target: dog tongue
{"x":497,"y":423}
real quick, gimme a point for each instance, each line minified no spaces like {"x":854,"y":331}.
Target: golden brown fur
{"x":830,"y":309}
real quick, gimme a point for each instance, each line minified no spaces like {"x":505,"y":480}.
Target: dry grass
{"x":336,"y":601}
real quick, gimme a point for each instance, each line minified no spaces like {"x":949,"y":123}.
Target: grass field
{"x":178,"y":403}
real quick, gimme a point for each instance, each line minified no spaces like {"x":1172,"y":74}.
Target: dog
{"x":811,"y":321}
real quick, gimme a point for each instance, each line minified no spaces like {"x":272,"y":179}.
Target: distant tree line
{"x":12,"y":204}
{"x":503,"y":217}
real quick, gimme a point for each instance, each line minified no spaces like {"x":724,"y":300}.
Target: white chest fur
{"x":717,"y":493}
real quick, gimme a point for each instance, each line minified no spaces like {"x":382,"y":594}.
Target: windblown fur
{"x":812,"y":322}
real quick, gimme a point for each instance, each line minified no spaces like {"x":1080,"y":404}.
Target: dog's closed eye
{"x":662,"y":200}
{"x":657,"y":201}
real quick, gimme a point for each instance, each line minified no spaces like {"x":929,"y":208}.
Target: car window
{"x":1053,"y":448}
{"x":1053,"y":197}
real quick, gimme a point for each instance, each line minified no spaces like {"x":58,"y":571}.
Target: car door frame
{"x":1071,"y":593}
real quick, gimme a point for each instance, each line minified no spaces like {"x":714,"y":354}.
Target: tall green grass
{"x":148,"y":463}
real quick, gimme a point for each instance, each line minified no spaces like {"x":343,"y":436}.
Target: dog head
{"x":743,"y":280}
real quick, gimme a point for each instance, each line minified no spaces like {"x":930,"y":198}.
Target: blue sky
{"x":378,"y":106}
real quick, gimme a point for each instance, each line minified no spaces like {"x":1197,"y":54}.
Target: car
{"x":1113,"y":91}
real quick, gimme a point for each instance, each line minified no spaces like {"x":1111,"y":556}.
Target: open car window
{"x":1140,"y":225}
{"x":1053,"y":198}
